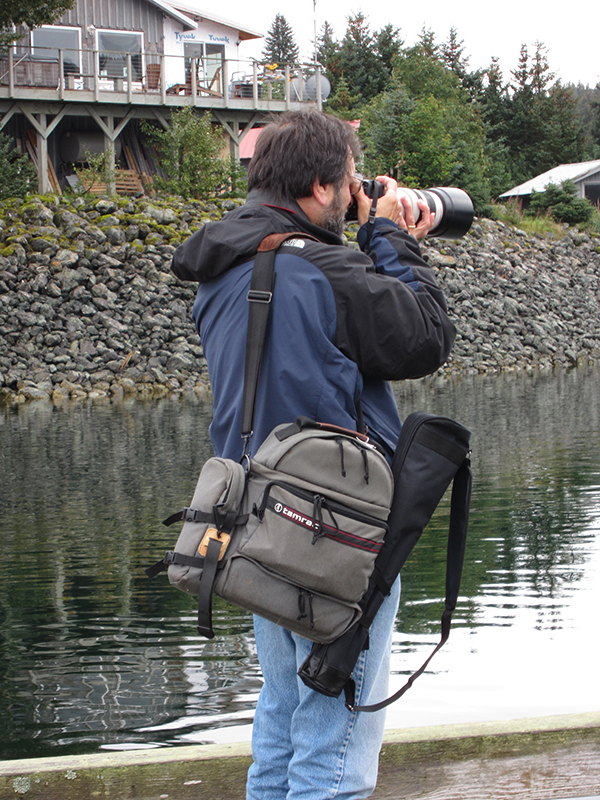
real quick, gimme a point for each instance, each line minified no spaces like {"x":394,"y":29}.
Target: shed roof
{"x":193,"y":11}
{"x":248,"y":143}
{"x":564,"y":172}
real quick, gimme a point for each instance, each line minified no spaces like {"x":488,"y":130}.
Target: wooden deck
{"x":237,"y":96}
{"x":531,"y":759}
{"x":236,"y":85}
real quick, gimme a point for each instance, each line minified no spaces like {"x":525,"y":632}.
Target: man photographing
{"x":342,"y":325}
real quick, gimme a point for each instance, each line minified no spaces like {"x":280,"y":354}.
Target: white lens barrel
{"x":452,"y":209}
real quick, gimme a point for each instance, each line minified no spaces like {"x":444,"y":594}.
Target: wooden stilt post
{"x":109,"y":149}
{"x":42,"y":153}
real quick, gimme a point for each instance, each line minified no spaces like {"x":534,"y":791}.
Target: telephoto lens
{"x":452,"y":207}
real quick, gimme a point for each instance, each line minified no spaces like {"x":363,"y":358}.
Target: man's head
{"x":301,"y":152}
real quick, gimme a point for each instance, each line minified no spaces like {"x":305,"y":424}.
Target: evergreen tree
{"x":522,"y":72}
{"x":280,"y":44}
{"x":429,"y":158}
{"x":587,"y":112}
{"x":388,"y":45}
{"x":383,"y":130}
{"x":563,"y":132}
{"x":427,"y":43}
{"x":562,"y":202}
{"x":541,"y":129}
{"x":540,"y":76}
{"x":328,"y":53}
{"x":342,"y":102}
{"x":425,"y":126}
{"x":493,"y":99}
{"x":492,"y":103}
{"x":452,"y":55}
{"x":423,"y":72}
{"x":364,"y":66}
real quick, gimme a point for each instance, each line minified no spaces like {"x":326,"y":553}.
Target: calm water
{"x":93,"y":655}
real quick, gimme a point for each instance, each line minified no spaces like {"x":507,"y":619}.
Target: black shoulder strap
{"x":457,"y":540}
{"x":259,"y":297}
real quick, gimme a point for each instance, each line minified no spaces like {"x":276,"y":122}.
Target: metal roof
{"x":200,"y":14}
{"x":565,"y":172}
{"x":173,"y":12}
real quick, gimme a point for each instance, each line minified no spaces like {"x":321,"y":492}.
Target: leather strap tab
{"x":275,"y":240}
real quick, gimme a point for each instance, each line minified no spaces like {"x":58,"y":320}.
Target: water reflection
{"x":93,"y":654}
{"x":533,"y":562}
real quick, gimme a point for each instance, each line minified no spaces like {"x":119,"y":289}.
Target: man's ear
{"x":320,"y":193}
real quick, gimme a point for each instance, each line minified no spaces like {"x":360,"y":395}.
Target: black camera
{"x":452,"y":207}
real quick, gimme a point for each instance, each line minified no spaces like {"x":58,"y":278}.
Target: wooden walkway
{"x":551,"y":758}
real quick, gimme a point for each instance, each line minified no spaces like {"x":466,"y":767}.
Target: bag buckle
{"x":213,"y":533}
{"x":257,"y":296}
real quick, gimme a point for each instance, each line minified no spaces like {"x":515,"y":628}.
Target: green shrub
{"x":562,"y":203}
{"x":98,"y":169}
{"x":235,"y":183}
{"x":17,"y":173}
{"x":189,"y":151}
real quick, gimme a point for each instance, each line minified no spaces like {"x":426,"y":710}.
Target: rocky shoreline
{"x":90,"y":309}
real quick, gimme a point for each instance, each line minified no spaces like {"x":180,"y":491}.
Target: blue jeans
{"x":307,"y":746}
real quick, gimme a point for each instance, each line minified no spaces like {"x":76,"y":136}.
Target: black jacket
{"x":340,"y":327}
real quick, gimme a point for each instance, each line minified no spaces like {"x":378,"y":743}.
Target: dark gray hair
{"x":298,"y":148}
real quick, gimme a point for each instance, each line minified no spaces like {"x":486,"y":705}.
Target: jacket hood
{"x":218,"y":246}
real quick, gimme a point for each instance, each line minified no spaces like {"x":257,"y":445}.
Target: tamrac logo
{"x":295,"y":516}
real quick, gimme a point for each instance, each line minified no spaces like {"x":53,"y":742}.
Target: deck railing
{"x":111,"y":76}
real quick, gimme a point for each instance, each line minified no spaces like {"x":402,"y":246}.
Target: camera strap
{"x":371,"y":223}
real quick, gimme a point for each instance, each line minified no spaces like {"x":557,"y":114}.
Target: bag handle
{"x":302,"y":423}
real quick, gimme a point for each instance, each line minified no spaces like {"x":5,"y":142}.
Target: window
{"x":49,"y":39}
{"x":215,"y":55}
{"x":113,"y":49}
{"x":193,"y":50}
{"x":592,"y":192}
{"x":210,"y":61}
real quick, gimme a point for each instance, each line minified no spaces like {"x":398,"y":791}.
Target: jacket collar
{"x":289,"y":208}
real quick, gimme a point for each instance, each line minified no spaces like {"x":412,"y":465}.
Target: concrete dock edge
{"x":530,"y":759}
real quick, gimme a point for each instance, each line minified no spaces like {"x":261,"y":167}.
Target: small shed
{"x":585,"y":175}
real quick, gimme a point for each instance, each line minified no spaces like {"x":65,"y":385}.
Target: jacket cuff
{"x":385,"y":225}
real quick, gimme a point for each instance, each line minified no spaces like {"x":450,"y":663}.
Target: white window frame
{"x":124,"y":33}
{"x":75,"y":28}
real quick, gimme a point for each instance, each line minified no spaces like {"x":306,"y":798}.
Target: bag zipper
{"x":305,"y":494}
{"x":320,"y":528}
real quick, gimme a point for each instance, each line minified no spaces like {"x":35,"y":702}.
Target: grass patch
{"x":511,"y":213}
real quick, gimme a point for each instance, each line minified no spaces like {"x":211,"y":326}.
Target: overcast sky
{"x":571,"y":38}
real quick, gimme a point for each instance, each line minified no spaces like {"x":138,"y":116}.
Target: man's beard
{"x":334,"y":216}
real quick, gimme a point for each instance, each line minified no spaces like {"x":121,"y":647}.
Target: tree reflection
{"x":93,"y":653}
{"x":535,"y":456}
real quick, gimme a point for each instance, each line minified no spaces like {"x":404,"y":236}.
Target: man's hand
{"x":388,"y":205}
{"x":400,"y":212}
{"x":426,"y":220}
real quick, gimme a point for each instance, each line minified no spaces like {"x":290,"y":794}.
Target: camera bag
{"x":293,"y":534}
